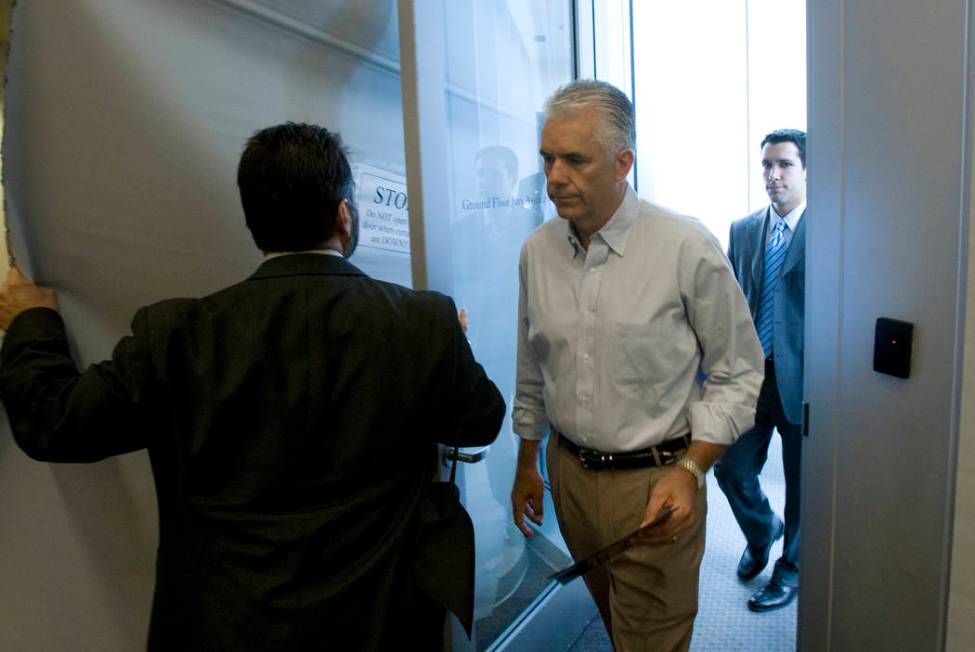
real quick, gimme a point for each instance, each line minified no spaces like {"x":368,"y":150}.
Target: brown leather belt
{"x":660,"y":455}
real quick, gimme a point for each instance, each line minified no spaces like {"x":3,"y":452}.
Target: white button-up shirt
{"x":643,"y":338}
{"x":791,"y":221}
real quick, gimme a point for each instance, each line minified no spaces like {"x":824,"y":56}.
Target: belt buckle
{"x":591,"y":459}
{"x":586,"y":457}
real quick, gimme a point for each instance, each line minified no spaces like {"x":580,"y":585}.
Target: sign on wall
{"x":383,"y":220}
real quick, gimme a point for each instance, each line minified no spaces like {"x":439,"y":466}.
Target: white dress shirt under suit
{"x":791,"y":222}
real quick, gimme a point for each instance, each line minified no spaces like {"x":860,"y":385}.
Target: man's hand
{"x":462,"y":318}
{"x":677,"y":489}
{"x":528,"y":492}
{"x":18,"y":293}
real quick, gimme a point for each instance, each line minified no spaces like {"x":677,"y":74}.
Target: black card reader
{"x":892,"y":347}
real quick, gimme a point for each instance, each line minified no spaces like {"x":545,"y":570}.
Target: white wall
{"x":887,"y":236}
{"x":961,"y":600}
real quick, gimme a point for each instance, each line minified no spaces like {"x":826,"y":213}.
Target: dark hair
{"x":292,"y":178}
{"x":502,"y":154}
{"x":794,"y":136}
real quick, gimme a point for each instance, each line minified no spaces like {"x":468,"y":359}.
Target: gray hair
{"x":618,"y":129}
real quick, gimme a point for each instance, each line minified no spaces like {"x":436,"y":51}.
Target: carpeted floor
{"x":724,"y":623}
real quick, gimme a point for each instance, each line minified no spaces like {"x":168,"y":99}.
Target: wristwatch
{"x":691,"y":467}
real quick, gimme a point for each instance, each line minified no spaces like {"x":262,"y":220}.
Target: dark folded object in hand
{"x":603,"y":555}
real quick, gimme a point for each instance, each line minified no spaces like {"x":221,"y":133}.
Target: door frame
{"x":560,"y":613}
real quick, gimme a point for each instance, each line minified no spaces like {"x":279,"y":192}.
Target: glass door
{"x":477,"y":73}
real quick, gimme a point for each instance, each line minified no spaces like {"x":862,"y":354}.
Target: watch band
{"x":691,"y":467}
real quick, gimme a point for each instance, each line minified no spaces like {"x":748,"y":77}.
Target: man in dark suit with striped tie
{"x":767,"y":252}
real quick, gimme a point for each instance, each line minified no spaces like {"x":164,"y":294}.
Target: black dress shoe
{"x":772,"y":596}
{"x":749,"y":565}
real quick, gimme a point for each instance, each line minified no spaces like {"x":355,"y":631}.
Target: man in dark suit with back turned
{"x":767,"y":252}
{"x":291,"y":421}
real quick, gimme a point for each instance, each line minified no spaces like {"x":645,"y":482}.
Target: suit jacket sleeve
{"x":476,"y":406}
{"x":736,"y":256}
{"x":59,"y":415}
{"x":731,"y":251}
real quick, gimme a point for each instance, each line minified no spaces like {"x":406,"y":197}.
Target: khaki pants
{"x":648,"y":595}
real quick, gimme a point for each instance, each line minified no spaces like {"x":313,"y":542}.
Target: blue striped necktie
{"x":774,"y":255}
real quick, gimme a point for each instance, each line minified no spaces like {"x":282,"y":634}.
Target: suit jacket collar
{"x":797,"y":246}
{"x":759,"y":227}
{"x":305,"y":264}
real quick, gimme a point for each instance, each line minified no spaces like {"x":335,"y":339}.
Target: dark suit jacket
{"x":746,"y":249}
{"x":291,"y":422}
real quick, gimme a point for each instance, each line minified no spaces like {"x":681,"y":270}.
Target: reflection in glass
{"x":503,"y":60}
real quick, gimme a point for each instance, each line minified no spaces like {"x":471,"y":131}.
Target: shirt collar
{"x":323,"y":252}
{"x":617,"y":230}
{"x":791,"y":219}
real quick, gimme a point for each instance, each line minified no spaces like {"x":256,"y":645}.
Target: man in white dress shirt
{"x":637,"y":355}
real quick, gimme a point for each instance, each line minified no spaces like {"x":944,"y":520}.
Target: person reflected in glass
{"x":494,"y":222}
{"x":503,"y":218}
{"x":487,"y":240}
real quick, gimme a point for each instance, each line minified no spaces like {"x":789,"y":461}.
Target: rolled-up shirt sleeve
{"x":731,"y":355}
{"x":529,"y":419}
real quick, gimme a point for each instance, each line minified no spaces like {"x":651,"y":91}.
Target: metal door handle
{"x":473,"y":457}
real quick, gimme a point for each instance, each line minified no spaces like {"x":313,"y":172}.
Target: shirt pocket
{"x":640,"y":355}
